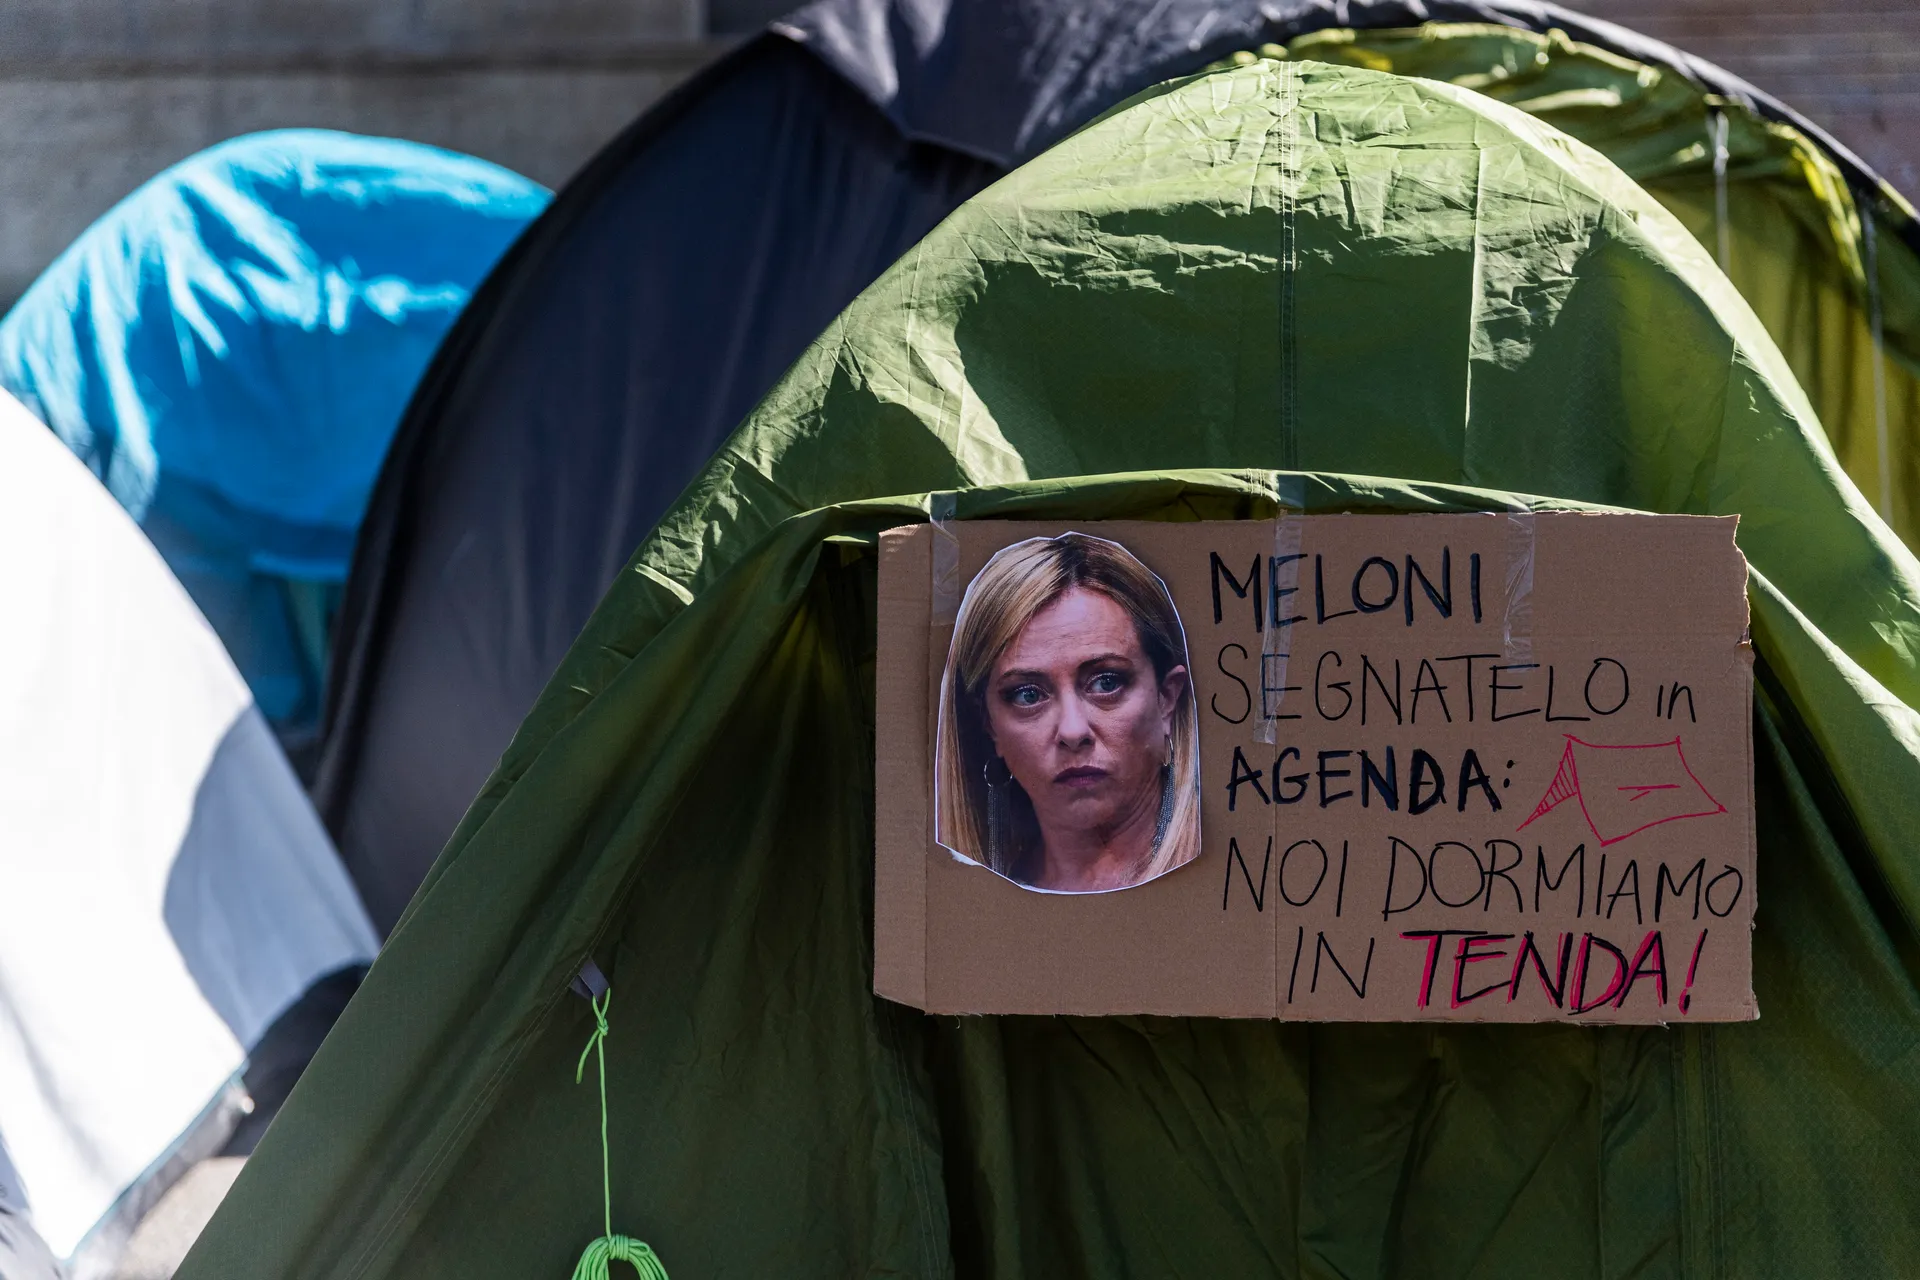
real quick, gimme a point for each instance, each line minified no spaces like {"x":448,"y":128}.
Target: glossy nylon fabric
{"x":230,"y":348}
{"x":664,"y":294}
{"x":690,"y":802}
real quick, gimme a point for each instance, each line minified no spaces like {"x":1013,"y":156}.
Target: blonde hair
{"x":1016,"y":584}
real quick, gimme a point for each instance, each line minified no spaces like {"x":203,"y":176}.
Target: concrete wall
{"x":98,"y":95}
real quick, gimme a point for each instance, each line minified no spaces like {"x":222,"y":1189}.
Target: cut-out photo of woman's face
{"x":1067,"y":757}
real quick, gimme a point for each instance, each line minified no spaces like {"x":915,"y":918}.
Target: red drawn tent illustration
{"x":1622,"y":790}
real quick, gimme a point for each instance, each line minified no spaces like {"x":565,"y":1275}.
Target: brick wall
{"x":1851,"y":66}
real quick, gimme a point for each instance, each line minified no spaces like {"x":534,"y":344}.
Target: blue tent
{"x":230,"y":349}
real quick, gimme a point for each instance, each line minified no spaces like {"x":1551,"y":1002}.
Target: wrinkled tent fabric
{"x":664,"y":294}
{"x":168,"y":890}
{"x":1796,"y":226}
{"x":230,"y":349}
{"x":1280,"y":266}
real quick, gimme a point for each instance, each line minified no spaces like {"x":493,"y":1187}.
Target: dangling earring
{"x":1166,"y":798}
{"x":998,"y":815}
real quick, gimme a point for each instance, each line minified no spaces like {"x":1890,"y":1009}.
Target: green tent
{"x":1799,"y":240}
{"x":1287,"y":281}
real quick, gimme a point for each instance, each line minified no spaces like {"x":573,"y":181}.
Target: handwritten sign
{"x":1463,"y":767}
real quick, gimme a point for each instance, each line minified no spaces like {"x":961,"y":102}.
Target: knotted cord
{"x":596,"y":1263}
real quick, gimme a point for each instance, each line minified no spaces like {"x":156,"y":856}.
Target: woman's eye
{"x":1107,"y":682}
{"x":1025,"y":696}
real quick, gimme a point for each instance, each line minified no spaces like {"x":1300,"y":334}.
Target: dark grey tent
{"x":681,"y":273}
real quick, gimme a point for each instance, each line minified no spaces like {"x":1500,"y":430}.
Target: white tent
{"x":166,"y":890}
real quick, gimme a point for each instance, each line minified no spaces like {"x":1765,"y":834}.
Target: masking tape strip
{"x":1276,"y":639}
{"x":1517,"y":629}
{"x":1283,"y":576}
{"x":941,"y":508}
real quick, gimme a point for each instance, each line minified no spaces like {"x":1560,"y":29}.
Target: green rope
{"x":600,"y":1256}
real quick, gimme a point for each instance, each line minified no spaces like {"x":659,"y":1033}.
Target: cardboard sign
{"x":1382,"y":768}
